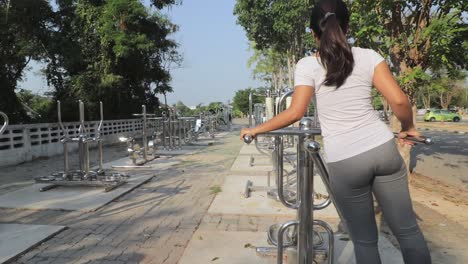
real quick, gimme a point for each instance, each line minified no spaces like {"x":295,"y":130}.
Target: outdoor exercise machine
{"x":83,"y":176}
{"x":171,"y":130}
{"x":5,"y":123}
{"x":305,"y":244}
{"x":140,"y":155}
{"x":269,"y":148}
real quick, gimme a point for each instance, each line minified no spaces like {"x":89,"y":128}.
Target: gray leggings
{"x":380,"y":171}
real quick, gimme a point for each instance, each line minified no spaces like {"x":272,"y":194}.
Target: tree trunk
{"x":290,"y":79}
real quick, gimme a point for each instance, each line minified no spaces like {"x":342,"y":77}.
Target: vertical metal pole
{"x":144,"y":133}
{"x":66,"y":169}
{"x":315,"y":111}
{"x":179,"y":128}
{"x":305,"y":232}
{"x":250,"y":109}
{"x":171,"y":145}
{"x":163,"y":122}
{"x":100,"y":148}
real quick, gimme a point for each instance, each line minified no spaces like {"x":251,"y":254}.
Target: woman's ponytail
{"x":329,"y":21}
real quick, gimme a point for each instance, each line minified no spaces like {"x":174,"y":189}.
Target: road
{"x":446,"y":160}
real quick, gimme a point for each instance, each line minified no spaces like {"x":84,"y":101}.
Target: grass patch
{"x":215,"y":189}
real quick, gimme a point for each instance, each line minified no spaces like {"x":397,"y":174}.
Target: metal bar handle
{"x":101,"y":113}
{"x":418,"y":140}
{"x":5,"y":122}
{"x":283,"y":97}
{"x":82,"y":124}
{"x":280,"y":247}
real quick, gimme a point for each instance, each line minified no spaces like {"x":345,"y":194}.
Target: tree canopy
{"x":115,"y":51}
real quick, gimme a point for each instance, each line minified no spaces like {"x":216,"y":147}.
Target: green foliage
{"x":215,"y":189}
{"x":183,"y":109}
{"x":241,"y":100}
{"x":277,"y":24}
{"x":417,"y":35}
{"x":278,"y":29}
{"x":36,"y":106}
{"x":376,"y":100}
{"x":119,"y":51}
{"x":24,"y":28}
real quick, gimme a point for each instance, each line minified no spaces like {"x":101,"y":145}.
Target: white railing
{"x":21,"y":143}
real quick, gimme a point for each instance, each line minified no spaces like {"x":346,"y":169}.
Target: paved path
{"x":152,"y":224}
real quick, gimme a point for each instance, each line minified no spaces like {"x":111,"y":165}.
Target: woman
{"x":361,"y":153}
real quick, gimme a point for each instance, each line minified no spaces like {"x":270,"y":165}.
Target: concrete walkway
{"x":151,"y":224}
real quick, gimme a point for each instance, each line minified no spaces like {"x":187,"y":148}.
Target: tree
{"x":37,"y":107}
{"x":447,"y":88}
{"x":183,"y":109}
{"x":417,"y":36}
{"x":113,"y":51}
{"x":21,"y":40}
{"x":241,"y":100}
{"x":270,"y":66}
{"x":278,"y":25}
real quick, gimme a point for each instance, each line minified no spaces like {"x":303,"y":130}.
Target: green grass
{"x":215,"y":189}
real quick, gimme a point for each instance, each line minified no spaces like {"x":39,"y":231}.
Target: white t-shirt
{"x":350,"y":125}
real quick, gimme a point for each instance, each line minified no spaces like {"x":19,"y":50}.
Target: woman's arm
{"x":385,"y":83}
{"x":300,"y":101}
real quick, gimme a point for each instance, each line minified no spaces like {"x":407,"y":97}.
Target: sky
{"x":214,"y":49}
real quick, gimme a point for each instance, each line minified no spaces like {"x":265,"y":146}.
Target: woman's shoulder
{"x":308,"y":61}
{"x":363,"y":51}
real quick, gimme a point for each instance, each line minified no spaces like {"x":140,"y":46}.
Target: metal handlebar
{"x":248,"y":139}
{"x":5,"y":123}
{"x":283,"y":97}
{"x":418,"y":140}
{"x":101,"y":112}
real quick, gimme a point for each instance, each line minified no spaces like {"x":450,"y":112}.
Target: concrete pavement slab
{"x":232,"y":201}
{"x":154,"y":165}
{"x":16,"y":239}
{"x":84,"y":199}
{"x":229,"y":247}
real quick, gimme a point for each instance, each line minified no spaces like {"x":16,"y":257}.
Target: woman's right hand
{"x":247,"y":131}
{"x":408,"y":133}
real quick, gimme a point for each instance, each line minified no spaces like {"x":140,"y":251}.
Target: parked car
{"x":441,"y":115}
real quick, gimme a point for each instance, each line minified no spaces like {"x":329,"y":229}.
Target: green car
{"x":441,"y":115}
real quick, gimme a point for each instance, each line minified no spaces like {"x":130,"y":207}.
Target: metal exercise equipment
{"x":140,"y":155}
{"x":269,"y":148}
{"x":5,"y":123}
{"x":83,"y":176}
{"x":298,"y":235}
{"x":304,"y":244}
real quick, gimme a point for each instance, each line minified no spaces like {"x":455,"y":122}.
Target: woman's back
{"x":349,"y":123}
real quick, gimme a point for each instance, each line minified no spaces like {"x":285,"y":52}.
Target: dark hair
{"x":329,"y":21}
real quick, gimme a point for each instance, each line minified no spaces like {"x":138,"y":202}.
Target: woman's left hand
{"x":247,"y":131}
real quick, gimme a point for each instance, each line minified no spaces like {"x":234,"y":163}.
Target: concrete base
{"x":262,"y":164}
{"x":16,"y":239}
{"x":225,"y":247}
{"x":154,"y":165}
{"x":186,"y":150}
{"x":84,"y":199}
{"x":239,"y":248}
{"x":232,"y":201}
